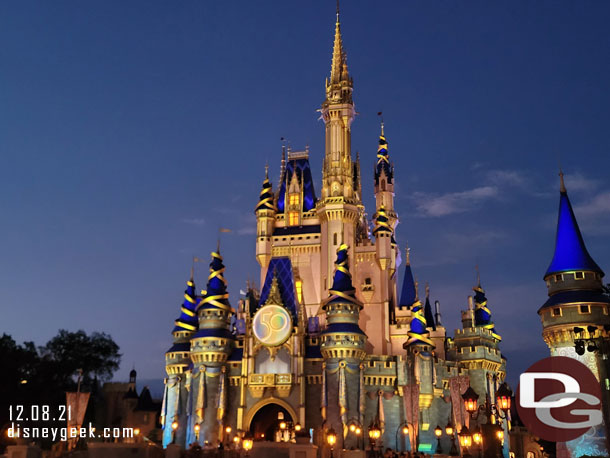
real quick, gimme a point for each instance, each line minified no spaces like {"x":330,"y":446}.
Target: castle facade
{"x":327,"y":341}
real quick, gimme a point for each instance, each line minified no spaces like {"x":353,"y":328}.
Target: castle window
{"x":556,"y":312}
{"x":335,"y":238}
{"x":558,"y":278}
{"x":383,"y":185}
{"x":298,"y":284}
{"x":367,"y":281}
{"x":294,"y":199}
{"x":584,"y":309}
{"x":579,"y":275}
{"x":293,"y":218}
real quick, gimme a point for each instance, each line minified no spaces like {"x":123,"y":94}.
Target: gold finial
{"x":408,"y":251}
{"x":416,"y":288}
{"x":193,"y":268}
{"x":380,"y":114}
{"x":266,"y":170}
{"x":476,"y":267}
{"x":427,"y":290}
{"x":562,"y":186}
{"x":274,"y":297}
{"x":337,"y":11}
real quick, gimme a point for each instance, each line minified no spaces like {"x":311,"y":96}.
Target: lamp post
{"x":403,"y":428}
{"x":355,"y":428}
{"x":247,"y":444}
{"x":438,"y":432}
{"x":174,"y":428}
{"x":197,"y":429}
{"x":465,"y":439}
{"x":450,"y":431}
{"x":374,"y":435}
{"x":331,"y":440}
{"x":499,"y":410}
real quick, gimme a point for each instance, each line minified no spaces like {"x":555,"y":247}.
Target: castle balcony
{"x":282,"y":383}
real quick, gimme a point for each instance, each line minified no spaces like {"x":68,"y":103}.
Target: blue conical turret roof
{"x":428,"y":315}
{"x":188,"y":318}
{"x":407,"y":295}
{"x":570,"y":250}
{"x":342,"y":289}
{"x":216,"y":295}
{"x":265,"y":201}
{"x":383,"y":159}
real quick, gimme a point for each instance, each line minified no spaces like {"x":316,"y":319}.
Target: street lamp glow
{"x":405,"y":430}
{"x":283,"y":425}
{"x":449,"y":429}
{"x":298,"y":427}
{"x":331,"y":437}
{"x":438,"y":431}
{"x":174,"y":425}
{"x":477,"y":437}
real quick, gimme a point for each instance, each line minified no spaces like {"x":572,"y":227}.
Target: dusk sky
{"x":131,"y":131}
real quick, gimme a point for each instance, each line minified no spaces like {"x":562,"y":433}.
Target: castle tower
{"x":339,"y":208}
{"x":577,"y":311}
{"x":177,"y":363}
{"x":384,"y":181}
{"x":342,"y":347}
{"x":265,"y":221}
{"x":210,"y":347}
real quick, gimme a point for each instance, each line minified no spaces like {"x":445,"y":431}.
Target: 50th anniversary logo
{"x":559,"y":399}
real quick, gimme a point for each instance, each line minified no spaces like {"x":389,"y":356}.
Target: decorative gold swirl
{"x":416,"y":315}
{"x":216,"y":298}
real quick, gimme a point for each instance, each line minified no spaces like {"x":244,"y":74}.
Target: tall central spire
{"x":339,"y":62}
{"x":338,"y":113}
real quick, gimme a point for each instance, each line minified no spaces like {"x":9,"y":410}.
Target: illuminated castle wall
{"x":327,"y":337}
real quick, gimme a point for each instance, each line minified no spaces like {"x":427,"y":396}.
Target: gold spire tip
{"x":562,"y":185}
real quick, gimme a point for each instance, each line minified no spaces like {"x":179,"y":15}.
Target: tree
{"x":97,"y":356}
{"x":41,"y":376}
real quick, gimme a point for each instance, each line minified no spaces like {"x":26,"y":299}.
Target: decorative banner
{"x":177,"y":398}
{"x":362,"y":398}
{"x":411,"y":400}
{"x":458,"y":386}
{"x":164,"y":404}
{"x":77,"y":403}
{"x":343,"y":399}
{"x":323,"y":400}
{"x":222,"y":397}
{"x":381,"y":411}
{"x":200,"y":406}
{"x":189,"y":393}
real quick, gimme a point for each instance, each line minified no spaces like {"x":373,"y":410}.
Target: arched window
{"x":298,"y":285}
{"x":335,"y":238}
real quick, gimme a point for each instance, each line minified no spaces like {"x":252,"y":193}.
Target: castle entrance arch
{"x":264,"y":418}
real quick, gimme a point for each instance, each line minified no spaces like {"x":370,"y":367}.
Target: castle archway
{"x":262,"y":420}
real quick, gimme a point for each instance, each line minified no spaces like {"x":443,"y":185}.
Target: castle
{"x":327,"y":341}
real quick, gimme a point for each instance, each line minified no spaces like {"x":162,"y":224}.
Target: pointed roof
{"x":281,"y":274}
{"x":265,"y":201}
{"x":300,"y":165}
{"x":482,"y":314}
{"x":570,"y":250}
{"x":428,"y":315}
{"x":418,"y":334}
{"x":383,"y":159}
{"x":338,"y":70}
{"x":188,"y":317}
{"x":342,"y":289}
{"x":408,"y":294}
{"x":216,"y":295}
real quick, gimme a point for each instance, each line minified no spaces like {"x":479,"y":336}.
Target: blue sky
{"x":131,"y":131}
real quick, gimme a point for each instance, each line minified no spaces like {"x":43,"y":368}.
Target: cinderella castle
{"x":327,"y":341}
